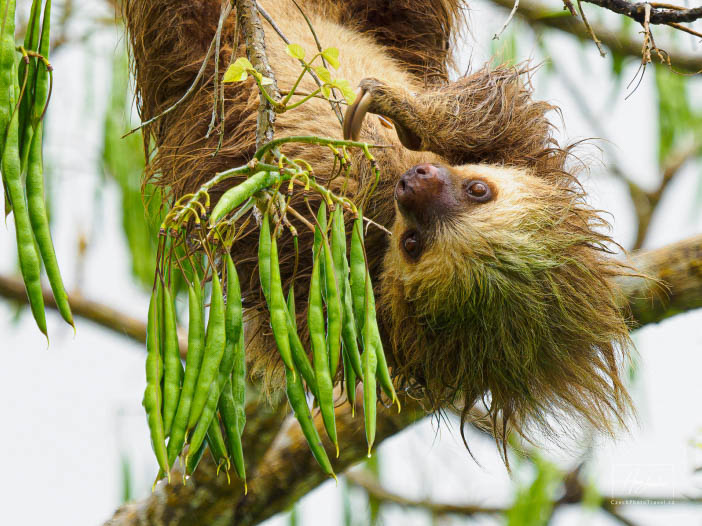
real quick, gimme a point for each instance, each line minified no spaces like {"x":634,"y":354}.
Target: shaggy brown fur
{"x":511,"y":301}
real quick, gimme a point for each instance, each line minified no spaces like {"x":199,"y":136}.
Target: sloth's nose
{"x":421,"y":189}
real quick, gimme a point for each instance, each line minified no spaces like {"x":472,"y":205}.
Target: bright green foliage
{"x":295,"y":51}
{"x":677,"y":121}
{"x":533,"y":504}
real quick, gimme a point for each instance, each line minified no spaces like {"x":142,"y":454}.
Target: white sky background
{"x":71,"y":411}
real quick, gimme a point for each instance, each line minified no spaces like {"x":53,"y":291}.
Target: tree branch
{"x":254,"y":38}
{"x":538,"y":14}
{"x":284,"y":474}
{"x":574,"y":493}
{"x":659,"y":15}
{"x":370,"y":485}
{"x":678,"y":267}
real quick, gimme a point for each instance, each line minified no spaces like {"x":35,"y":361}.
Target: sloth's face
{"x":460,"y":229}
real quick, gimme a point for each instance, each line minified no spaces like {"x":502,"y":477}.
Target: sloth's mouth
{"x":411,"y":244}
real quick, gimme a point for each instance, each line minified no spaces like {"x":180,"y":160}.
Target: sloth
{"x":496,"y":287}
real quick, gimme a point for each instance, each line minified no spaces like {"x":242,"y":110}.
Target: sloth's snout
{"x":421,"y":191}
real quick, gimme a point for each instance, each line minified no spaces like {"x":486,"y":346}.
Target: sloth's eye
{"x":411,"y":244}
{"x":478,"y":191}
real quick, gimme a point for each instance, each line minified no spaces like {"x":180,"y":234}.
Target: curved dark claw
{"x":353,"y":119}
{"x":369,"y":91}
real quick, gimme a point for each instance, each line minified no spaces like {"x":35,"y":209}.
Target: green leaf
{"x":346,"y":90}
{"x":676,"y":118}
{"x":331,"y":55}
{"x":237,"y":72}
{"x":326,"y":90}
{"x":323,"y":74}
{"x":295,"y":51}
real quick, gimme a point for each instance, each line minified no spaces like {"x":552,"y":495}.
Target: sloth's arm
{"x":488,"y":116}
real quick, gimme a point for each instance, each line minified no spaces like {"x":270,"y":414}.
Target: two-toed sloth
{"x":496,"y":285}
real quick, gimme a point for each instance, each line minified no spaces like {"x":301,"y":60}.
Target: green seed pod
{"x":315,"y":323}
{"x":214,"y":350}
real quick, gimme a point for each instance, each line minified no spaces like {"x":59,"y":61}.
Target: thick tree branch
{"x":283,"y":475}
{"x":538,"y":14}
{"x":659,"y":15}
{"x":678,"y":267}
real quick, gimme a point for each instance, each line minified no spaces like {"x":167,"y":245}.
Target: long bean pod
{"x":349,"y":383}
{"x":370,"y":364}
{"x":315,"y":322}
{"x":264,"y":256}
{"x":358,"y":273}
{"x":233,"y":324}
{"x":8,"y":73}
{"x":240,"y":193}
{"x":348,"y":328}
{"x":173,"y":369}
{"x":302,"y":361}
{"x":228,"y":411}
{"x":334,"y":311}
{"x":7,"y":81}
{"x":196,"y":346}
{"x":236,"y":320}
{"x":206,"y":416}
{"x":217,"y":446}
{"x":43,"y":77}
{"x":298,"y":402}
{"x":40,"y":225}
{"x":28,"y":68}
{"x":278,"y":310}
{"x":152,"y":393}
{"x":30,"y":264}
{"x":214,"y":349}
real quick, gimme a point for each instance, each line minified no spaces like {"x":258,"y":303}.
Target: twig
{"x":590,"y":31}
{"x":334,"y":103}
{"x":226,"y":9}
{"x":185,"y":96}
{"x":567,"y":4}
{"x":509,"y":19}
{"x":368,"y":483}
{"x":336,"y":108}
{"x":685,"y":29}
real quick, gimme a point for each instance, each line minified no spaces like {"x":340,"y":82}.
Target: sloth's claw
{"x":353,"y":119}
{"x":375,"y":96}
